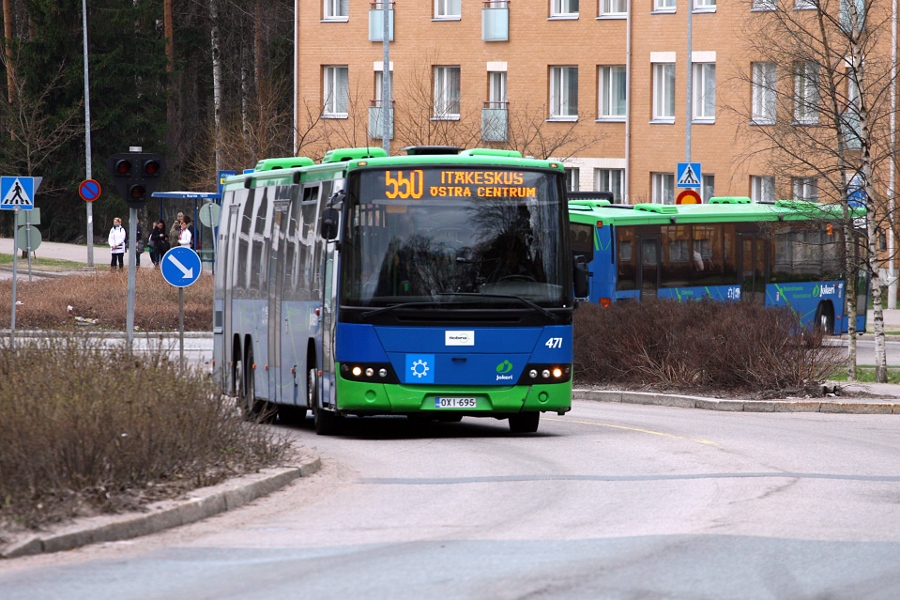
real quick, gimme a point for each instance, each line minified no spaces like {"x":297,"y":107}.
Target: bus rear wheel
{"x":524,"y":422}
{"x":825,"y":318}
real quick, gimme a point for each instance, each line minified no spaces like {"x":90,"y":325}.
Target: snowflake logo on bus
{"x":419,"y":368}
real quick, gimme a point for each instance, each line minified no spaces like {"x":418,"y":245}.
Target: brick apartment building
{"x":582,"y":82}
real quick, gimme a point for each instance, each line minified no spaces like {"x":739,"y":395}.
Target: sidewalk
{"x":72,"y":252}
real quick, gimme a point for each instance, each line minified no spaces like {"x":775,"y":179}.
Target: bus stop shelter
{"x":203,"y":207}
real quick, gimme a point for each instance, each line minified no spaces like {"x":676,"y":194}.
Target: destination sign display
{"x":423,"y":184}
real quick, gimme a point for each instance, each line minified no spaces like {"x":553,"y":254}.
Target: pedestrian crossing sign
{"x":17,"y":192}
{"x":688,"y":175}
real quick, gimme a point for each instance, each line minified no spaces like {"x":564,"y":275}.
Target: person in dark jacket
{"x":159,"y":242}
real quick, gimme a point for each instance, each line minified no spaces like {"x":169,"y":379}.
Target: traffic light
{"x":136,"y":175}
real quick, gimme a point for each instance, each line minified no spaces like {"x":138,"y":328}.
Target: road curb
{"x":201,"y":504}
{"x":799,"y":405}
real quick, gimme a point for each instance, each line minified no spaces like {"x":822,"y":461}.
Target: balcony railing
{"x":495,"y":21}
{"x":495,"y":121}
{"x":376,"y":22}
{"x":376,"y":120}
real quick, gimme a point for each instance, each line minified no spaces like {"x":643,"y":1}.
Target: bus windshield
{"x":434,"y":235}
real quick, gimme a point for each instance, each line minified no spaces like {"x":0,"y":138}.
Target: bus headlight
{"x":535,"y":374}
{"x":369,"y":372}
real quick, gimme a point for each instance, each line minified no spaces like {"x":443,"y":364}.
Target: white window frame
{"x":610,"y":180}
{"x":562,"y":106}
{"x":335,"y":91}
{"x":806,"y":93}
{"x":447,"y":92}
{"x":497,"y":83}
{"x":762,"y":188}
{"x":707,"y":187}
{"x":565,"y":9}
{"x":448,"y":9}
{"x":573,"y":179}
{"x":764,"y":5}
{"x":611,"y":92}
{"x":764,"y":105}
{"x":804,"y":5}
{"x":663,"y":188}
{"x":664,"y":92}
{"x":805,"y":188}
{"x":663,"y":5}
{"x":704,"y":5}
{"x":336,"y":10}
{"x":613,"y":8}
{"x":703,"y":103}
{"x":379,"y":84}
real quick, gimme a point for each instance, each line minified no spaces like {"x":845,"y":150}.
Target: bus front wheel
{"x":524,"y":422}
{"x":325,"y":421}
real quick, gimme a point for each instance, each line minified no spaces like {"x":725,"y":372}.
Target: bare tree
{"x":820,"y":111}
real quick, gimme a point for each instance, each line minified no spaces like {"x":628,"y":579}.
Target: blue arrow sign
{"x":180,"y":266}
{"x":17,"y":192}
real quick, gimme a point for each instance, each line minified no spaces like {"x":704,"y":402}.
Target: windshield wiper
{"x":554,"y":318}
{"x":376,"y":311}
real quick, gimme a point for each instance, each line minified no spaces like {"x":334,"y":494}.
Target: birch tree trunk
{"x":217,"y":79}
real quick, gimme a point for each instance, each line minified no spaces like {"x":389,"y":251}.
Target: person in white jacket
{"x":184,"y":239}
{"x":117,"y":244}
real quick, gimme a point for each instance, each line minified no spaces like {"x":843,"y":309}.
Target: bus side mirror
{"x":330,"y":220}
{"x":581,"y":277}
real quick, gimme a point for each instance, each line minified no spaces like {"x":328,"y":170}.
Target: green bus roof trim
{"x":730,"y":200}
{"x":290,"y":162}
{"x":683,"y":214}
{"x":338,"y":162}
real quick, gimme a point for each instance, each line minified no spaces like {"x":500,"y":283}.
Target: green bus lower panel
{"x":372,"y":398}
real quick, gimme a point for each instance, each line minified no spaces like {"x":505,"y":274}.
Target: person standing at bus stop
{"x":186,"y":236}
{"x":117,"y":245}
{"x":175,"y":232}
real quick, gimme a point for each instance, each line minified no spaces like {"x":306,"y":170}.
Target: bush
{"x":737,"y":346}
{"x":84,"y":428}
{"x":103,"y":296}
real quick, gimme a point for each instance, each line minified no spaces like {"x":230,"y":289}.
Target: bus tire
{"x":825,"y":318}
{"x":325,"y":421}
{"x":526,"y":422}
{"x":252,"y":407}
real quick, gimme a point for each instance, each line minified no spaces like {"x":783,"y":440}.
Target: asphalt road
{"x":610,"y":501}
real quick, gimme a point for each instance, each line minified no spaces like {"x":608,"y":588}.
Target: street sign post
{"x":180,"y":267}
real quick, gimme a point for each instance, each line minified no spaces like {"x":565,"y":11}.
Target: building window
{"x":853,"y":16}
{"x":664,"y":92}
{"x":806,"y":93}
{"x":805,"y":188}
{"x":704,"y":97}
{"x":764,"y":5}
{"x":664,"y":5}
{"x":564,"y":93}
{"x":708,"y":189}
{"x":613,"y":7}
{"x":563,"y":8}
{"x":762,"y":188}
{"x":337,"y":10}
{"x":610,"y":180}
{"x":573,"y":175}
{"x":335,"y":91}
{"x":704,"y":4}
{"x":446,"y":92}
{"x":663,"y":188}
{"x":447,"y":9}
{"x":804,"y":4}
{"x":763,"y":93}
{"x":497,"y":89}
{"x":611,"y":92}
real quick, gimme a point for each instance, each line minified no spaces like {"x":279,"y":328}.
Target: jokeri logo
{"x":459,"y":338}
{"x":503,"y":370}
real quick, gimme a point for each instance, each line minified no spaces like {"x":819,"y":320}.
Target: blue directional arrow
{"x":180,"y":266}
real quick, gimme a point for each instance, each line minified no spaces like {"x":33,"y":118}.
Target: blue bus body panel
{"x":421,"y":355}
{"x":724,"y":293}
{"x":803,"y":299}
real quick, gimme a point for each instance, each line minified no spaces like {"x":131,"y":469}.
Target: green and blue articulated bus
{"x":786,"y":253}
{"x":438,"y":284}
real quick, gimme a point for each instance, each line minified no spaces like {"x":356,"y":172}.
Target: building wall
{"x":537,"y":42}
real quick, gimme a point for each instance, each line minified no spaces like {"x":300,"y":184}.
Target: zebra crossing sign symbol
{"x":688,"y":174}
{"x":17,"y":192}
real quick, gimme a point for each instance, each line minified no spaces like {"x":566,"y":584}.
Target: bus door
{"x":329,"y":302}
{"x":752,"y":267}
{"x":648,"y":270}
{"x":276,"y":293}
{"x":228,"y":249}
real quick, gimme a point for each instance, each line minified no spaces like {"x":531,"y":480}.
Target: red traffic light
{"x":137,"y":191}
{"x":123,"y":168}
{"x":151,"y":168}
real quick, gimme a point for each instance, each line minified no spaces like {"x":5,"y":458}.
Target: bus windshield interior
{"x":463,"y":244}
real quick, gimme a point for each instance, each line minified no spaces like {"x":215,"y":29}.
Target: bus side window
{"x":626,"y":270}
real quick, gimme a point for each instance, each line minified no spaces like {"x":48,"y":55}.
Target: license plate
{"x":455,"y":403}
